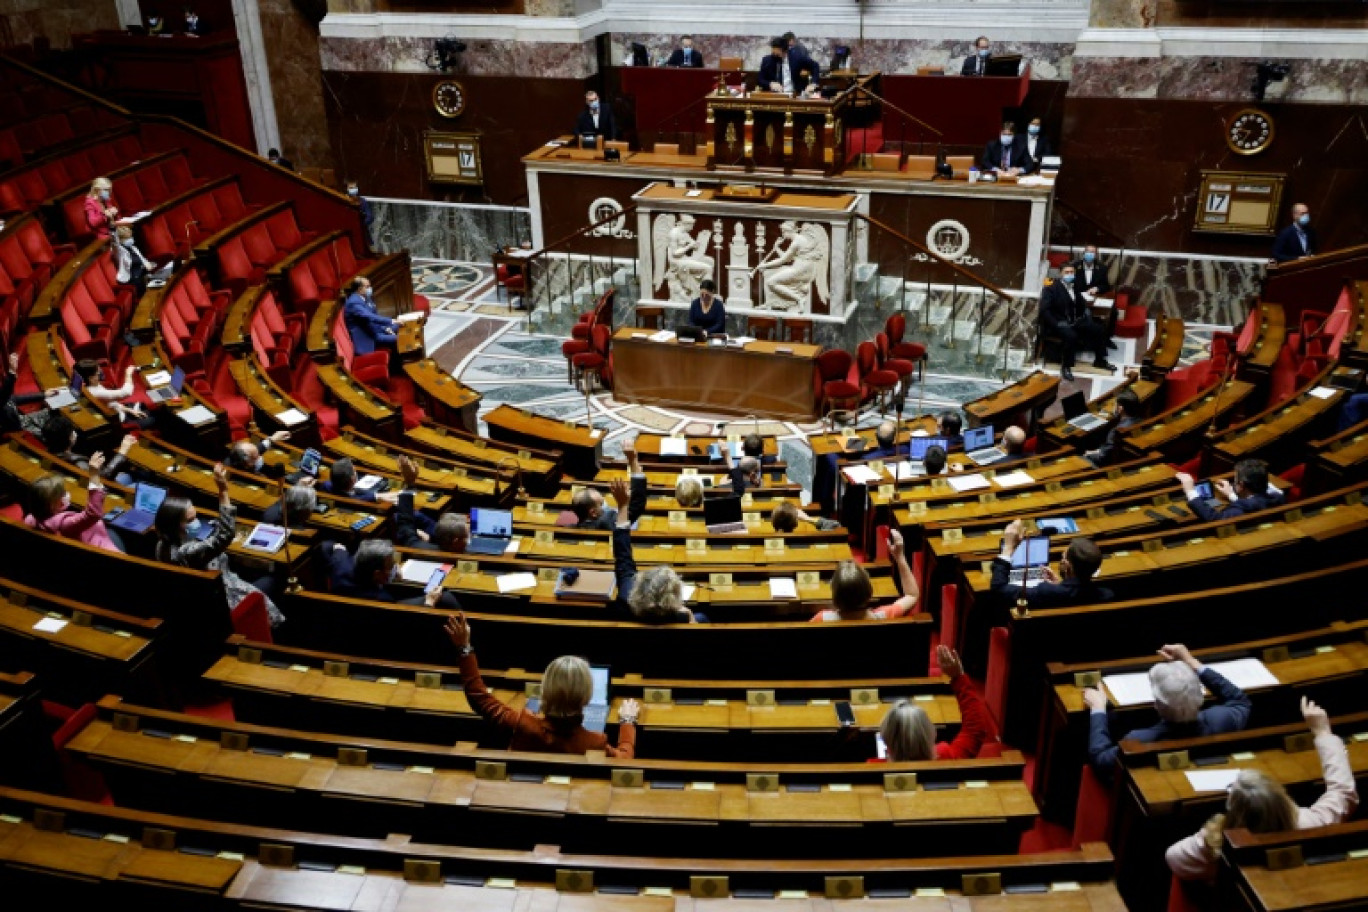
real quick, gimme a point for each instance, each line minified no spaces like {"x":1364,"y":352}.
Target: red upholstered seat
{"x":1134,"y":319}
{"x":999,"y":668}
{"x":1095,"y":810}
{"x":895,"y":327}
{"x":251,"y":620}
{"x":949,"y":629}
{"x":874,"y":380}
{"x":596,"y":361}
{"x":833,"y":372}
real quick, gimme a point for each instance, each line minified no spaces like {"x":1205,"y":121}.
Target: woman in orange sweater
{"x":566,"y":689}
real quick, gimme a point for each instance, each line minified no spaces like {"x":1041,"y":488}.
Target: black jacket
{"x":607,"y":125}
{"x":1098,"y":279}
{"x":1062,"y":305}
{"x":1017,"y":157}
{"x":1062,"y":594}
{"x":1252,"y":504}
{"x":798,"y":64}
{"x":1287,"y":245}
{"x":677,"y":58}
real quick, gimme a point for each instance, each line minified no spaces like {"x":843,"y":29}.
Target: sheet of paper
{"x":418,"y":571}
{"x":50,"y":625}
{"x":514,"y":544}
{"x":1013,"y":479}
{"x":196,"y":415}
{"x":1129,"y":689}
{"x":596,"y":432}
{"x":409,"y":317}
{"x":665,"y":335}
{"x":687,"y":592}
{"x":1246,"y":674}
{"x":962,"y":483}
{"x":909,"y":469}
{"x":861,"y":474}
{"x":517,"y":582}
{"x":1323,"y":392}
{"x":781,"y":587}
{"x":741,"y":340}
{"x":291,"y":417}
{"x":673,"y":446}
{"x":692,"y":193}
{"x":157,"y":378}
{"x":920,"y":433}
{"x":1211,"y":780}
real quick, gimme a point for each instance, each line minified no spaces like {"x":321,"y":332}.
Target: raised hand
{"x":1316,"y":718}
{"x":458,"y":630}
{"x":629,"y":711}
{"x":221,"y":480}
{"x":408,"y":470}
{"x":1177,"y":652}
{"x":622,"y":493}
{"x":949,"y":661}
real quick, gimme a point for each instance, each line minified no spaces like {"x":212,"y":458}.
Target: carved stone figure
{"x":791,"y":270}
{"x":681,"y":259}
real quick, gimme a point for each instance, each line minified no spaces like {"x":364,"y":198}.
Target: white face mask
{"x":64,"y":504}
{"x":1006,"y":139}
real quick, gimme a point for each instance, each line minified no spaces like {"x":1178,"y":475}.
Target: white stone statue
{"x":791,"y":270}
{"x":681,"y":259}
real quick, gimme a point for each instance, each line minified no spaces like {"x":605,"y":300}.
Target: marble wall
{"x":291,"y":45}
{"x":483,"y":57}
{"x":445,"y":231}
{"x":56,"y":20}
{"x":1334,"y":81}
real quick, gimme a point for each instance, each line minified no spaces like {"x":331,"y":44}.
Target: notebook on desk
{"x":171,"y":391}
{"x":147,"y":500}
{"x":64,"y":397}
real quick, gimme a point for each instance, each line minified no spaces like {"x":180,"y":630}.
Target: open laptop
{"x":63,"y":398}
{"x":490,"y":531}
{"x":1029,"y":561}
{"x":978,"y":446}
{"x":723,"y":515}
{"x":918,"y":446}
{"x":166,"y":393}
{"x":1075,"y":407}
{"x":147,"y":499}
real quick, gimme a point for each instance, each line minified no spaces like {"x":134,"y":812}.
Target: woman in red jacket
{"x":566,"y":689}
{"x":909,"y":734}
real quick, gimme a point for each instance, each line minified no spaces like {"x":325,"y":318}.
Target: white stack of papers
{"x":419,"y":571}
{"x":1134,"y":689}
{"x":687,"y":592}
{"x":920,"y":433}
{"x":290,"y":417}
{"x":665,"y":335}
{"x":513,"y":544}
{"x":1211,"y":780}
{"x":907,"y":469}
{"x":409,"y":317}
{"x":196,"y":415}
{"x":157,"y":378}
{"x":1323,"y":392}
{"x":741,"y":341}
{"x":516,"y":582}
{"x":673,"y":446}
{"x":861,"y":474}
{"x":50,"y":625}
{"x":367,"y":482}
{"x":1013,"y":479}
{"x":781,"y":588}
{"x":962,"y":483}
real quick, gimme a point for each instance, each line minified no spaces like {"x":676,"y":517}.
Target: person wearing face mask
{"x":596,"y":119}
{"x":976,"y":64}
{"x":1065,"y":315}
{"x":1298,"y":239}
{"x":60,"y":436}
{"x":155,"y":25}
{"x":118,"y":398}
{"x":100,"y":209}
{"x":130,"y":266}
{"x":176,"y":525}
{"x":789,"y":70}
{"x":363,"y":204}
{"x":369,"y":573}
{"x":1005,"y":155}
{"x":369,"y":329}
{"x":245,"y":456}
{"x":52,"y":511}
{"x":194,"y":25}
{"x":686,"y":55}
{"x":1091,"y":274}
{"x":275,"y":158}
{"x":1037,"y":146}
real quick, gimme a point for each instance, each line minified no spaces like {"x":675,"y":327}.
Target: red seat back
{"x":283,"y":230}
{"x":152,"y":185}
{"x":233,"y":261}
{"x":256,"y":240}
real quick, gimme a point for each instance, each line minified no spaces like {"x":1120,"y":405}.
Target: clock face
{"x":1249,"y":131}
{"x":448,"y":98}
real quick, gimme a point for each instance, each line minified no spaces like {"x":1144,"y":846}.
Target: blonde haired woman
{"x":100,"y":211}
{"x":852,"y":590}
{"x":1258,"y":803}
{"x":566,"y":689}
{"x":909,"y":734}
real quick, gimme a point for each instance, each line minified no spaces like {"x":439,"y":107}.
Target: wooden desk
{"x":1178,"y":431}
{"x":1031,"y":395}
{"x":581,"y":446}
{"x":764,"y":378}
{"x":1339,"y":882}
{"x":1165,"y":348}
{"x":450,"y":402}
{"x":49,"y":372}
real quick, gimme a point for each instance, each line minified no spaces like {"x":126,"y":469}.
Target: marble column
{"x":247,"y":17}
{"x":296,"y":73}
{"x":128,"y":11}
{"x":1122,"y":13}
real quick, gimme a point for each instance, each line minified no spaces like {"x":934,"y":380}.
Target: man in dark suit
{"x":596,"y":118}
{"x":1037,"y":146}
{"x":1177,"y":684}
{"x":1249,"y":494}
{"x":1126,"y":411}
{"x":685,"y":55}
{"x":976,"y":64}
{"x":1005,"y":155}
{"x":1065,"y":315}
{"x":1091,"y":274}
{"x":788,"y":71}
{"x":275,"y":158}
{"x":413,"y":529}
{"x":367,"y":575}
{"x":1298,"y":239}
{"x":194,"y":25}
{"x":1073,"y":585}
{"x":951,"y":427}
{"x":245,"y":455}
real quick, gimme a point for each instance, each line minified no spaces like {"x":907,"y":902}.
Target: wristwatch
{"x":627,"y":720}
{"x":463,"y":651}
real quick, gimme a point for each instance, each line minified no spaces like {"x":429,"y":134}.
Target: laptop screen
{"x":491,"y":523}
{"x":1074,"y":405}
{"x":148,"y":498}
{"x":979,"y":438}
{"x":721,"y":510}
{"x":921,"y":444}
{"x":178,"y":379}
{"x":1033,"y":552}
{"x":600,"y":675}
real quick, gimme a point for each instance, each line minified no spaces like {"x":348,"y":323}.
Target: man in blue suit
{"x":789,"y":71}
{"x":1249,"y":494}
{"x":369,"y":329}
{"x":1298,"y":239}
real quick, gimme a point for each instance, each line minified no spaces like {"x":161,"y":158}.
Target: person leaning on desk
{"x":707,"y":311}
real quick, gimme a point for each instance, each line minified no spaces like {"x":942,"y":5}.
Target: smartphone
{"x":435,"y":581}
{"x":844,"y":714}
{"x":310,"y":462}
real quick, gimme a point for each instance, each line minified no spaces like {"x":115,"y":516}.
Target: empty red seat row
{"x":170,"y":234}
{"x":189,"y":321}
{"x":24,"y":102}
{"x":27,"y":261}
{"x":142,"y":189}
{"x":48,"y":131}
{"x":27,"y":188}
{"x":244,"y":259}
{"x":323,"y":275}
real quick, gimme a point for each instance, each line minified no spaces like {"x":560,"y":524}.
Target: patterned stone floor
{"x":478,"y":338}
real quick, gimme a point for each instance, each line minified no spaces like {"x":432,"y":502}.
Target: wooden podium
{"x":770,"y":131}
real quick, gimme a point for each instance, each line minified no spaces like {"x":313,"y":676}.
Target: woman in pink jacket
{"x":1258,"y":803}
{"x":52,"y":513}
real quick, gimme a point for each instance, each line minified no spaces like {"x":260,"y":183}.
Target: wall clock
{"x":1249,"y":131}
{"x":449,"y":98}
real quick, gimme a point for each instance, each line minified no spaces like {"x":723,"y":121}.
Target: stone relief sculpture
{"x":681,"y":259}
{"x":799,"y":259}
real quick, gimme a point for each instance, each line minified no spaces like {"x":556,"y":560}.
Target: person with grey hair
{"x":245,"y":456}
{"x":367,"y":574}
{"x":294,"y":509}
{"x":744,"y":474}
{"x":655,"y":596}
{"x":1177,"y":683}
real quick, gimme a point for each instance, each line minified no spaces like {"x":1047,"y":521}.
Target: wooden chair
{"x":730,"y":64}
{"x":886,"y":161}
{"x":763,"y":327}
{"x":960,"y":164}
{"x":930,"y":71}
{"x":921,"y":165}
{"x":874,"y":380}
{"x":798,"y":331}
{"x":649,"y":317}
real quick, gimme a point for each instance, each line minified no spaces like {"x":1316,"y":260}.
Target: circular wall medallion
{"x":948,"y":238}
